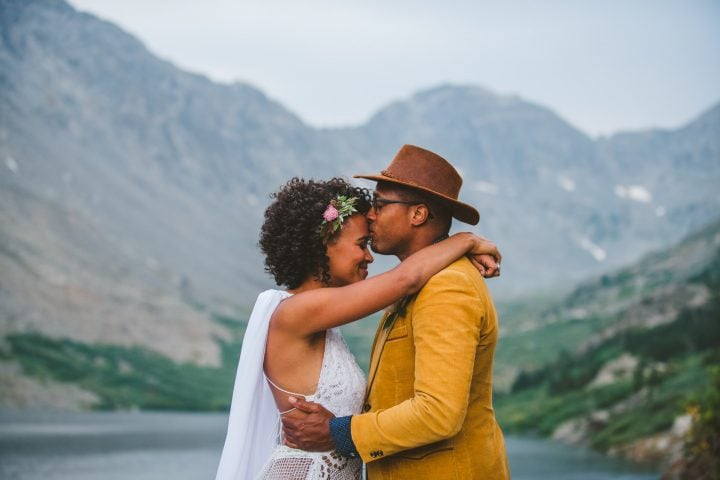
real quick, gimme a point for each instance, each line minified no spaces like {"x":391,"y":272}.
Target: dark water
{"x":178,"y":446}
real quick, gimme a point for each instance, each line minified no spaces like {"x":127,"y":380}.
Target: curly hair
{"x":294,"y":248}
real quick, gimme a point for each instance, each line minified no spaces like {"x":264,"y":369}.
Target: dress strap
{"x":283,"y":390}
{"x":308,"y":398}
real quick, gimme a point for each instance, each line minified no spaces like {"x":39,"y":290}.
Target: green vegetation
{"x":658,"y":405}
{"x":703,"y":446}
{"x":673,"y":367}
{"x":132,"y":377}
{"x":662,"y":317}
{"x":652,"y":403}
{"x":540,"y":346}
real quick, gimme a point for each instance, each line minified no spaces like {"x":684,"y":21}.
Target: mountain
{"x":623,"y":362}
{"x":132,"y":191}
{"x":558,"y":202}
{"x":166,"y":162}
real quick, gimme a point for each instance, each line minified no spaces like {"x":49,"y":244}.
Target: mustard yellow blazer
{"x":428,"y":405}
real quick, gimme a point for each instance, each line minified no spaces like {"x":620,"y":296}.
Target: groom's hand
{"x":486,"y":264}
{"x":309,"y":431}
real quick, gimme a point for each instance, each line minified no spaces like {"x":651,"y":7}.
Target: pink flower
{"x":330,"y":213}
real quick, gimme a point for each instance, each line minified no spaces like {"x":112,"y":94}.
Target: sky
{"x":604,"y":66}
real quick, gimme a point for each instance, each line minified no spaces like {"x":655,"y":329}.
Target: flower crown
{"x":335,"y":214}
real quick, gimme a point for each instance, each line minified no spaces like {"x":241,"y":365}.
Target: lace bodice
{"x":341,"y":389}
{"x":341,"y":386}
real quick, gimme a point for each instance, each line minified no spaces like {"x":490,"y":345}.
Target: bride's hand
{"x":486,"y":265}
{"x":485,"y":256}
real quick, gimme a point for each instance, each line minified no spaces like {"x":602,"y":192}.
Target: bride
{"x":315,"y":241}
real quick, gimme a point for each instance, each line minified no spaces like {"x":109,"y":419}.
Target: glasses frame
{"x":387,"y":201}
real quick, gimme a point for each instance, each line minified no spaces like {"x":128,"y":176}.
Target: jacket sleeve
{"x":446,"y":322}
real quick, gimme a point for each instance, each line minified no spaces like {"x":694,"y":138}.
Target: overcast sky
{"x":604,"y":66}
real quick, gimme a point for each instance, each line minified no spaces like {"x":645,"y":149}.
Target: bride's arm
{"x":319,"y":309}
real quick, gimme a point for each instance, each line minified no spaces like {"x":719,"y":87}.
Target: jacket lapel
{"x":378,"y":344}
{"x":398,"y":309}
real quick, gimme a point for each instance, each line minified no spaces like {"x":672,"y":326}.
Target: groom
{"x":428,"y":408}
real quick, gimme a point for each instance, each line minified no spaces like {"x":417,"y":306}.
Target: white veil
{"x":253,"y":422}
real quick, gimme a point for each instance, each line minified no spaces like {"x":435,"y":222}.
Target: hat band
{"x":385,"y":173}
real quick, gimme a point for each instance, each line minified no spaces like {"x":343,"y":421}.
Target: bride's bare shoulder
{"x":287,"y":313}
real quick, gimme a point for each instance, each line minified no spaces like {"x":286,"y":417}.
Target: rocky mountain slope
{"x":622,"y":362}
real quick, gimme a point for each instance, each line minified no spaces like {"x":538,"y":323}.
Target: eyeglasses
{"x":378,"y":203}
{"x":387,"y":201}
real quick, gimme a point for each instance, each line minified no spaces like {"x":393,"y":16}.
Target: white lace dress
{"x":341,"y":389}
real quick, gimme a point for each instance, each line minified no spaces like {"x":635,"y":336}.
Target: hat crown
{"x":422,"y":168}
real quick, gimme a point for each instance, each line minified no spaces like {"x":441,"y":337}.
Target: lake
{"x":37,"y":445}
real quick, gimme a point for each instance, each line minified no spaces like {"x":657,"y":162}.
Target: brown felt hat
{"x":427,"y":172}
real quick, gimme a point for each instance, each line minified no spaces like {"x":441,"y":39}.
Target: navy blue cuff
{"x":340,"y":431}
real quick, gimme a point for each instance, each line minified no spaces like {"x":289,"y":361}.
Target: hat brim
{"x":462,"y":211}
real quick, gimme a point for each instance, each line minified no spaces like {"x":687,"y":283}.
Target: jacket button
{"x":366,"y":407}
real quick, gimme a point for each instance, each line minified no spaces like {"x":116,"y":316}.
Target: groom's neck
{"x":418,"y":242}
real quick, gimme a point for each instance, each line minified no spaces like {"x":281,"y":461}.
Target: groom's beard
{"x":383,"y":252}
{"x":385,"y":248}
{"x":375,"y":248}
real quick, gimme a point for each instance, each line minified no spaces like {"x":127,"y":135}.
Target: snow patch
{"x":637,"y":193}
{"x":595,"y":250}
{"x":566,"y":183}
{"x":486,"y":187}
{"x":11,"y":164}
